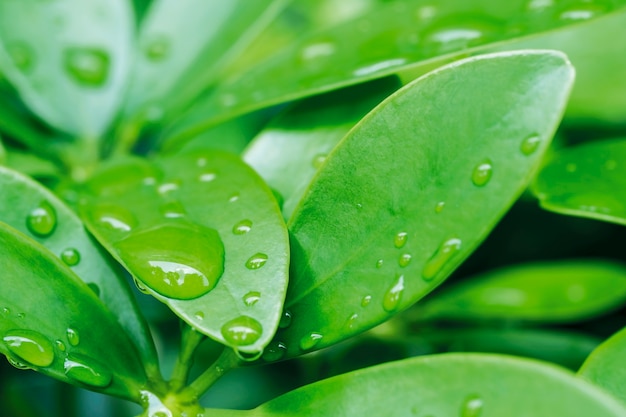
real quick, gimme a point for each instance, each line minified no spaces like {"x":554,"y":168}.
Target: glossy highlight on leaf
{"x":375,"y":200}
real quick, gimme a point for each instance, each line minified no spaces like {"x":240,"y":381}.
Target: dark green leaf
{"x":414,"y":188}
{"x":587,"y":180}
{"x":551,"y":292}
{"x":30,"y":208}
{"x":68,"y":59}
{"x":291,"y":149}
{"x":51,"y":321}
{"x":203,"y":234}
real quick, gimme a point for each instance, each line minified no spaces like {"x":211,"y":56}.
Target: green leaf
{"x":549,"y":292}
{"x":587,"y":181}
{"x":392,"y":37}
{"x":51,"y":321}
{"x":291,"y":149}
{"x":467,"y":385}
{"x":68,"y":59}
{"x":414,"y":188}
{"x":202,"y":233}
{"x":33,"y":210}
{"x":605,"y":366}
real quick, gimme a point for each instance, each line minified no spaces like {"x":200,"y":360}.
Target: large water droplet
{"x":87,"y":371}
{"x":285,"y":319}
{"x":88,"y":67}
{"x":311,"y":340}
{"x":73,"y":337}
{"x":274,"y":351}
{"x":400,"y":240}
{"x":242,"y":331}
{"x":442,"y":256}
{"x":404,"y":260}
{"x":70,"y":256}
{"x":482,"y":173}
{"x":242,"y":227}
{"x":157,"y":48}
{"x":392,"y":297}
{"x":30,"y":346}
{"x":472,"y":406}
{"x":180,"y":261}
{"x":22,"y":56}
{"x":530,"y":144}
{"x":251,"y":298}
{"x":42,"y":220}
{"x":256,"y":261}
{"x":114,"y":218}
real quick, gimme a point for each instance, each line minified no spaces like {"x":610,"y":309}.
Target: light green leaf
{"x":466,"y":385}
{"x":405,"y":37}
{"x":68,"y":59}
{"x":549,"y":292}
{"x":587,"y":181}
{"x":605,"y":366}
{"x":414,"y":188}
{"x":203,"y":234}
{"x":291,"y":149}
{"x":33,"y":210}
{"x":51,"y":321}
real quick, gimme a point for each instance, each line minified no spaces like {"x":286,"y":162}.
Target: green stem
{"x":190,"y":340}
{"x":224,"y":363}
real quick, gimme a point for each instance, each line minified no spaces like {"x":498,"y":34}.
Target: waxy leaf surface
{"x":202,"y":233}
{"x":33,"y":210}
{"x":551,"y":292}
{"x":587,"y":181}
{"x":68,"y":59}
{"x":410,"y":192}
{"x":53,"y":322}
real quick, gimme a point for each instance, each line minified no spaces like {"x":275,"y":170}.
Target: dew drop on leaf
{"x":180,"y":261}
{"x":400,"y":240}
{"x":256,"y":261}
{"x":207,"y":177}
{"x":440,"y":206}
{"x":582,"y":11}
{"x":199,"y":315}
{"x":87,"y":371}
{"x":472,"y":406}
{"x":530,"y":144}
{"x":242,"y":227}
{"x":72,"y":337}
{"x":242,"y":331}
{"x":248,"y":356}
{"x":456,"y":33}
{"x":309,"y":341}
{"x":22,"y":56}
{"x":6,"y":311}
{"x":392,"y":297}
{"x":251,"y":298}
{"x":318,"y":161}
{"x":42,"y":220}
{"x":380,"y":263}
{"x":482,"y":173}
{"x":60,"y":345}
{"x":275,"y":351}
{"x":365,"y":301}
{"x":70,"y":256}
{"x":142,"y":288}
{"x":30,"y":346}
{"x":114,"y":218}
{"x":88,"y":67}
{"x":442,"y":256}
{"x":351,"y":321}
{"x":17,"y":364}
{"x":404,"y":260}
{"x":173,"y":210}
{"x":168,"y":187}
{"x":285,"y":320}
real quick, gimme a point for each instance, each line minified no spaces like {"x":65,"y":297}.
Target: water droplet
{"x":42,"y":220}
{"x":60,"y":345}
{"x":72,"y":337}
{"x":482,"y":173}
{"x":157,"y":48}
{"x":207,"y":177}
{"x":365,"y":301}
{"x":114,"y":218}
{"x":400,"y":240}
{"x":318,"y":50}
{"x":530,"y":144}
{"x":17,"y":364}
{"x":584,"y":10}
{"x":440,"y":206}
{"x":311,"y":340}
{"x":379,"y":66}
{"x":168,"y":187}
{"x":199,"y":315}
{"x":248,"y":356}
{"x":30,"y":346}
{"x":350,"y":323}
{"x":173,"y":210}
{"x":456,"y":33}
{"x":180,"y":261}
{"x":242,"y":227}
{"x":87,"y":371}
{"x":70,"y":256}
{"x":285,"y":319}
{"x":275,"y":351}
{"x":539,"y":5}
{"x":242,"y":331}
{"x":256,"y":261}
{"x":6,"y":311}
{"x":392,"y":297}
{"x":318,"y":160}
{"x":89,"y":67}
{"x":251,"y":298}
{"x":404,"y":260}
{"x":472,"y":406}
{"x":233,"y":198}
{"x":22,"y":56}
{"x":20,"y":315}
{"x":442,"y":256}
{"x":142,"y":288}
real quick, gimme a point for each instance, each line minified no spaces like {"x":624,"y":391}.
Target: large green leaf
{"x":550,"y":292}
{"x":414,"y":188}
{"x":202,"y":233}
{"x":33,"y":210}
{"x":605,"y":366}
{"x":290,"y":150}
{"x":587,"y":180}
{"x":466,"y":385}
{"x":51,"y":321}
{"x":68,"y":59}
{"x":392,"y":37}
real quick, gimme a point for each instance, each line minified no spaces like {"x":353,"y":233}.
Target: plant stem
{"x":224,"y":363}
{"x":190,"y":340}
